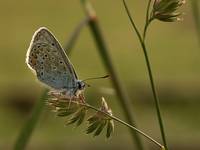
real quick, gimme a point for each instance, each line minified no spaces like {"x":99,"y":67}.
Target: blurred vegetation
{"x":175,"y":56}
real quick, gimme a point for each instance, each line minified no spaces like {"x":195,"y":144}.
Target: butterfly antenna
{"x":103,"y":77}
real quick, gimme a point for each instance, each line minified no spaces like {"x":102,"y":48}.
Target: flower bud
{"x":166,"y":10}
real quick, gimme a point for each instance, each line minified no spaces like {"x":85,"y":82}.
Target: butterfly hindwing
{"x":47,"y":58}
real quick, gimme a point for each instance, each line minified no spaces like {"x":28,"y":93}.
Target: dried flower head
{"x":76,"y":110}
{"x":100,"y":120}
{"x":166,"y":10}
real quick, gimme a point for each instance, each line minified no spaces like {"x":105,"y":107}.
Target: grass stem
{"x":126,"y":124}
{"x":147,"y":60}
{"x":27,"y":130}
{"x":124,"y":100}
{"x":196,"y":13}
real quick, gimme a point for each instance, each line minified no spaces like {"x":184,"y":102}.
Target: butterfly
{"x":50,"y":63}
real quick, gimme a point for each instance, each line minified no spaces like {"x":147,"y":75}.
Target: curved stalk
{"x":147,"y":22}
{"x":124,"y":99}
{"x":27,"y":130}
{"x":88,"y":106}
{"x":142,"y":42}
{"x":196,"y":14}
{"x":148,"y":9}
{"x":126,"y":124}
{"x":146,"y":27}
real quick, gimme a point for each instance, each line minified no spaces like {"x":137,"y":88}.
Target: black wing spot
{"x":45,"y":55}
{"x":38,"y":46}
{"x":61,"y":62}
{"x":41,"y":73}
{"x":52,"y":44}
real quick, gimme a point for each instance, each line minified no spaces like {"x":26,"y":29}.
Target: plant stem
{"x":88,"y":106}
{"x":126,"y":124}
{"x":196,"y":14}
{"x":155,"y":95}
{"x":146,"y":27}
{"x":142,"y":42}
{"x":147,"y":19}
{"x":29,"y":126}
{"x":124,"y":100}
{"x":27,"y":130}
{"x":75,"y":34}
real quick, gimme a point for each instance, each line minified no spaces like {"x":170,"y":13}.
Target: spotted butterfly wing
{"x":49,"y":61}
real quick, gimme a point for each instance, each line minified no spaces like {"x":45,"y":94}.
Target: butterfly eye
{"x":79,"y":85}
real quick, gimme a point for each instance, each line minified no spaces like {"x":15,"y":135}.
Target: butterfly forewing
{"x":47,"y":58}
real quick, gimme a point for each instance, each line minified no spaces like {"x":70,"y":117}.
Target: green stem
{"x":124,"y":100}
{"x":147,"y":19}
{"x":29,"y":126}
{"x":196,"y":14}
{"x":156,"y":100}
{"x":27,"y":130}
{"x":146,"y":27}
{"x":155,"y":95}
{"x":148,"y":9}
{"x":75,"y":34}
{"x":132,"y":22}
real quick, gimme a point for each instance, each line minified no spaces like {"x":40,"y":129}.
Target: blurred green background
{"x":174,"y":52}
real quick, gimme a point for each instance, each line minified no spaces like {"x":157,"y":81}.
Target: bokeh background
{"x":174,"y":52}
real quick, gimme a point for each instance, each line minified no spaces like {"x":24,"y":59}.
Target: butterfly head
{"x":81,"y":85}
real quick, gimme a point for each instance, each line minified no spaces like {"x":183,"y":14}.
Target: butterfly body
{"x":49,"y":61}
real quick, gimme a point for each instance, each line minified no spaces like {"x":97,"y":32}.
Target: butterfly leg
{"x":81,"y":98}
{"x":71,"y":98}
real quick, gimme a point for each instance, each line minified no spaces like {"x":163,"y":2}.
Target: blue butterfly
{"x":48,"y":60}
